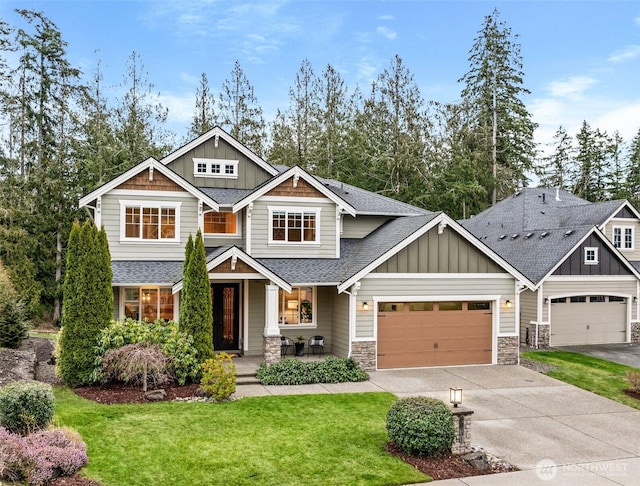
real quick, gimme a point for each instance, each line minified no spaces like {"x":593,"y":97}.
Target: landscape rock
{"x":477,"y":459}
{"x":156,"y":395}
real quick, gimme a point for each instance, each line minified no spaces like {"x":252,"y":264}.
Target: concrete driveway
{"x":623,"y":353}
{"x":554,"y":432}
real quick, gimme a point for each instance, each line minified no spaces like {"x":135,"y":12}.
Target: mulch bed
{"x":633,"y":394}
{"x":448,"y":466}
{"x":113,"y":393}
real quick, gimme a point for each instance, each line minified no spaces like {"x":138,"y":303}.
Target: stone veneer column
{"x":508,"y":350}
{"x":635,"y":332}
{"x":271,"y":342}
{"x":365,"y":353}
{"x":271,"y":349}
{"x":462,"y":420}
{"x":543,"y":336}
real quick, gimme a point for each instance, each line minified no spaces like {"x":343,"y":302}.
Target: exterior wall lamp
{"x":455,"y":396}
{"x":508,"y":304}
{"x":365,"y":306}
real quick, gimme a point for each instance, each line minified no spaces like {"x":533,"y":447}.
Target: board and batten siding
{"x":250,"y":175}
{"x":148,"y":249}
{"x":431,"y":289}
{"x":440,"y":253}
{"x":564,"y":287}
{"x":340,"y":325}
{"x":260,"y":247}
{"x":361,"y":226}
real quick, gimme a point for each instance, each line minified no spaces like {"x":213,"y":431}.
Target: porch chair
{"x":316,"y":343}
{"x":285,"y":345}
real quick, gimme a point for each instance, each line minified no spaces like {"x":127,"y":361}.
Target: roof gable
{"x":609,"y":263}
{"x":153,"y":167}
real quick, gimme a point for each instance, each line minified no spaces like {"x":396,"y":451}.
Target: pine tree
{"x":633,"y":179}
{"x":240,"y":113}
{"x":204,"y":116}
{"x":196,"y":317}
{"x":504,"y":147}
{"x":557,"y":169}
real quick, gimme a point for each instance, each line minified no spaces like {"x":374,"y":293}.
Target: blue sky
{"x":581,"y":58}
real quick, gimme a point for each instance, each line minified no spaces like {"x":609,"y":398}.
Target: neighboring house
{"x":291,"y":254}
{"x":583,"y":258}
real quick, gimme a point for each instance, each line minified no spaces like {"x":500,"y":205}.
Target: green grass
{"x":306,"y":439}
{"x":596,"y":375}
{"x":53,"y":335}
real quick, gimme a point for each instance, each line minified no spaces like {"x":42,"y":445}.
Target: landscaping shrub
{"x":138,"y":364}
{"x":219,"y":376}
{"x":40,"y":457}
{"x":13,"y":317}
{"x":295,"y":372}
{"x":421,"y":426}
{"x":178,"y":346}
{"x":26,"y":406}
{"x":633,"y":379}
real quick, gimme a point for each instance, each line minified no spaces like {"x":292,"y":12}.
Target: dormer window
{"x":591,"y":256}
{"x":293,"y":225}
{"x":217,"y":168}
{"x":623,"y":237}
{"x":149,"y":221}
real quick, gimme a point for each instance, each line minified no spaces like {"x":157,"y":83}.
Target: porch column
{"x":271,"y":342}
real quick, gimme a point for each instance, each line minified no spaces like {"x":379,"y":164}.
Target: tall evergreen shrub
{"x":87,"y":302}
{"x":195,"y":300}
{"x":13,"y":324}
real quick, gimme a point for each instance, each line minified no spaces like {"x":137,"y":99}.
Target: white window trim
{"x":596,"y":260}
{"x":210,"y":162}
{"x":158,"y":288}
{"x":238,"y":232}
{"x":622,"y":230}
{"x":124,"y":204}
{"x":307,"y":325}
{"x":293,"y":209}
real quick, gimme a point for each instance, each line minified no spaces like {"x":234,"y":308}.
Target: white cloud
{"x":386,"y":17}
{"x":385,"y":32}
{"x":572,"y":87}
{"x":630,"y":52}
{"x":181,"y":106}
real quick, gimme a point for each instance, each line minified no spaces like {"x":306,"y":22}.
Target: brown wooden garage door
{"x":417,"y":334}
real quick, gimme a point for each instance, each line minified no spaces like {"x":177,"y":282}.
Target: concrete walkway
{"x":554,"y":432}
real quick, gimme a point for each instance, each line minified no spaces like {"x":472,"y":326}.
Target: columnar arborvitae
{"x":195,"y":302}
{"x":87,"y":302}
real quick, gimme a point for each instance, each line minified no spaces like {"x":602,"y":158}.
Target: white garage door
{"x":591,"y":319}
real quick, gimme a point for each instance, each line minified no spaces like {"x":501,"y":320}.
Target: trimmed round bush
{"x":26,"y":406}
{"x":421,"y":426}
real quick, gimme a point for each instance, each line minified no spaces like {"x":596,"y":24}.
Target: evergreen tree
{"x":557,"y":169}
{"x":88,"y":302}
{"x":13,"y":325}
{"x":196,"y":317}
{"x":502,"y":125}
{"x":633,"y":180}
{"x":615,"y":175}
{"x":591,"y":161}
{"x":204,"y":116}
{"x":240,"y":113}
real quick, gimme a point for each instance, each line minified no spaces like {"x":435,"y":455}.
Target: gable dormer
{"x":217,"y":160}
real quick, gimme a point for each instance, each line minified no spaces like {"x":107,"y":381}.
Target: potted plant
{"x":299,"y":346}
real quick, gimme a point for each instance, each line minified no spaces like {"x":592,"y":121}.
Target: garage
{"x":419,"y":334}
{"x":590,"y":319}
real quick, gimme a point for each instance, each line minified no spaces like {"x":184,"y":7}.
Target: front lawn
{"x":307,"y":439}
{"x":596,"y":375}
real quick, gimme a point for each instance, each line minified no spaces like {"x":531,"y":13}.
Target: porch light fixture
{"x":455,"y":396}
{"x":365,"y":306}
{"x":508,"y":304}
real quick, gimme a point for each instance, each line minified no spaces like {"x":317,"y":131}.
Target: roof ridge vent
{"x":544,"y":234}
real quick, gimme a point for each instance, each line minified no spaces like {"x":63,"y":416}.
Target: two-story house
{"x":582,"y":257}
{"x":291,"y":254}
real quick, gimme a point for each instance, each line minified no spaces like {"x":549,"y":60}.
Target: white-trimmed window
{"x":298,"y":307}
{"x":148,"y":303}
{"x":220,"y":223}
{"x":591,"y":255}
{"x":294,"y":225}
{"x":149,"y":221}
{"x":623,"y":237}
{"x":218,"y":168}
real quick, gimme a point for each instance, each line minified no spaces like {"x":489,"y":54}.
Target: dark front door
{"x":226,"y":316}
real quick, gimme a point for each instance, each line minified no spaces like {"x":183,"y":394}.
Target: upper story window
{"x":294,"y":225}
{"x":220,"y":223}
{"x":591,"y":256}
{"x":218,"y":168}
{"x":623,"y":237}
{"x":142,"y":221}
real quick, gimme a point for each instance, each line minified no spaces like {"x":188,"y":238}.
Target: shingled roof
{"x":535,"y":228}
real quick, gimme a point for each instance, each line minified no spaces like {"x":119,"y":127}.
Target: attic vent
{"x":502,"y":237}
{"x":517,"y":194}
{"x":513,"y":237}
{"x":544,"y":234}
{"x":528,"y":235}
{"x":568,"y":232}
{"x":541,"y":212}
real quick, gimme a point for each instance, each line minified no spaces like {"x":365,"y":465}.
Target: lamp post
{"x":455,"y":396}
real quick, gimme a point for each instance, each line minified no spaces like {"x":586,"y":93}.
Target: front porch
{"x":248,"y":365}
